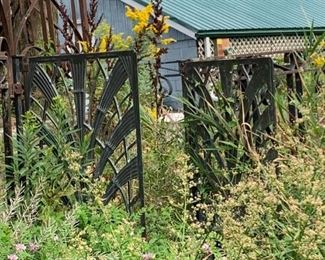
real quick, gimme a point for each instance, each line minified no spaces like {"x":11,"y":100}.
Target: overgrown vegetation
{"x":275,"y":211}
{"x":44,"y":219}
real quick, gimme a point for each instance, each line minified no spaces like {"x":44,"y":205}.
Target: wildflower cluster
{"x":150,"y":27}
{"x":318,"y":60}
{"x":21,"y":248}
{"x":277,"y":209}
{"x":106,"y":40}
{"x":141,"y":18}
{"x":318,"y":56}
{"x":73,"y":159}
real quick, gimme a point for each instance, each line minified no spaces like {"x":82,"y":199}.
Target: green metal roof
{"x":226,"y":18}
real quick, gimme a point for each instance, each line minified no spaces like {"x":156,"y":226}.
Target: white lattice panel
{"x":256,"y":45}
{"x":253,"y":45}
{"x":200,"y":49}
{"x":212,"y":49}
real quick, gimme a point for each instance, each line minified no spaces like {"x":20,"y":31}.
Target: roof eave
{"x":258,"y":32}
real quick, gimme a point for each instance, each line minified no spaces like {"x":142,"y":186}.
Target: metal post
{"x":43,"y":23}
{"x":7,"y":126}
{"x":50,"y":22}
{"x":290,"y":87}
{"x":84,"y":19}
{"x":73,"y":12}
{"x":207,"y":47}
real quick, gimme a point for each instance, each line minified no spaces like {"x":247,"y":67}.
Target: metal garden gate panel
{"x":216,"y":92}
{"x":111,"y":123}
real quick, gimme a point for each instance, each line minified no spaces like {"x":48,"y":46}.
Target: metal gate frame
{"x":124,"y":68}
{"x":254,"y":81}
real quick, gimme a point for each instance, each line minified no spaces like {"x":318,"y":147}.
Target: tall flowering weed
{"x":277,"y":210}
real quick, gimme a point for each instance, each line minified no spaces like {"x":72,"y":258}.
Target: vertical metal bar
{"x":73,"y":12}
{"x":290,"y":88}
{"x":299,"y":90}
{"x":298,"y":83}
{"x":78,"y":66}
{"x":84,"y":19}
{"x":50,"y":21}
{"x":43,"y":23}
{"x":226,"y":80}
{"x":26,"y":81}
{"x":136,"y":105}
{"x":22,"y":14}
{"x":18,"y":92}
{"x":7,"y":127}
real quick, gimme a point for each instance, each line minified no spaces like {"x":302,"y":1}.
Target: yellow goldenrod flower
{"x":137,"y":29}
{"x":84,"y":46}
{"x":102,"y":47}
{"x":130,"y":13}
{"x":119,"y":43}
{"x":129,"y":40}
{"x":140,"y":27}
{"x":165,"y":28}
{"x":157,"y":51}
{"x":141,"y":17}
{"x":153,"y":114}
{"x":318,"y":61}
{"x":322,"y":45}
{"x":145,"y":14}
{"x":168,"y":41}
{"x":152,"y":50}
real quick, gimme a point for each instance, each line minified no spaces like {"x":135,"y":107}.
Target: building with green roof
{"x":251,"y":26}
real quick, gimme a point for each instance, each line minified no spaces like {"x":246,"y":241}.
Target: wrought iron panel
{"x":110,"y":123}
{"x":225,"y":101}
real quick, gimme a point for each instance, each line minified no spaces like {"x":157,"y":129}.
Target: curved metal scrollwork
{"x":3,"y":72}
{"x":101,"y":92}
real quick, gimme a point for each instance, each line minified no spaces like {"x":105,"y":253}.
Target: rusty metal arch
{"x":6,"y":24}
{"x":29,"y":12}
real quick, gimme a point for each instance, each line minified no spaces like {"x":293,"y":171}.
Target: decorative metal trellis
{"x":114,"y":124}
{"x":111,"y":124}
{"x":292,"y":69}
{"x":222,"y":96}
